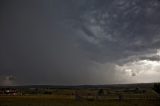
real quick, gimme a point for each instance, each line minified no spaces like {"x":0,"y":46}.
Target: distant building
{"x":8,"y":91}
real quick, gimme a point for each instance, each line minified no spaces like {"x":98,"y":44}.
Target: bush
{"x":101,"y":92}
{"x":47,"y":92}
{"x":156,"y":87}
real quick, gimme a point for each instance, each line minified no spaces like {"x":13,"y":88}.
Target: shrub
{"x":156,"y":87}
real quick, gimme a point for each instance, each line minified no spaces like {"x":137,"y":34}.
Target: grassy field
{"x":70,"y":101}
{"x":112,"y":95}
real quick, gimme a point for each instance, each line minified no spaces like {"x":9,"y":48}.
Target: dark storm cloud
{"x":59,"y":41}
{"x":126,"y":25}
{"x":151,"y":58}
{"x":36,"y":44}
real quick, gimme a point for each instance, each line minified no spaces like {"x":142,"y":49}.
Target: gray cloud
{"x":152,"y":58}
{"x":125,"y":26}
{"x":63,"y":42}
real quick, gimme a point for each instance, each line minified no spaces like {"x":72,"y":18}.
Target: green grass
{"x":62,"y":100}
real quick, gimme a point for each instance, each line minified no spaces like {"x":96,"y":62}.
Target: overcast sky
{"x":72,"y":42}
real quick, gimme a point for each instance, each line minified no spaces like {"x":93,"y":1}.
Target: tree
{"x":156,"y":87}
{"x":100,"y":92}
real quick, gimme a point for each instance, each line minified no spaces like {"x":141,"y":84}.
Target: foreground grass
{"x":69,"y":101}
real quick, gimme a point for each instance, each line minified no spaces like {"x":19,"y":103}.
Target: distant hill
{"x":113,"y":86}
